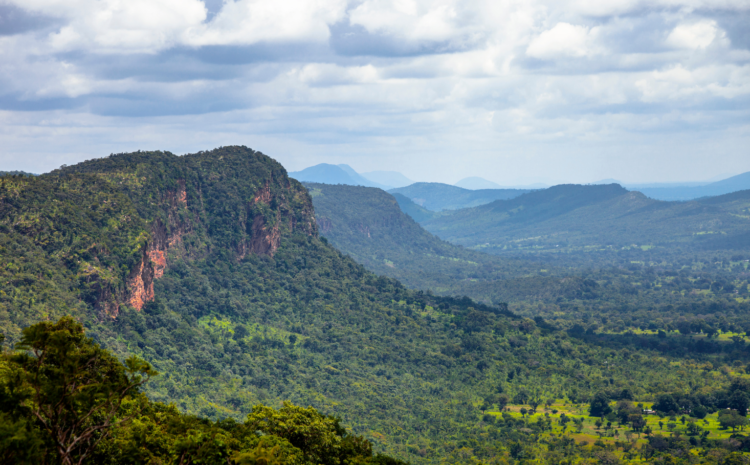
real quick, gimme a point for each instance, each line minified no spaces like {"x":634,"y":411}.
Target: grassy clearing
{"x":588,"y":432}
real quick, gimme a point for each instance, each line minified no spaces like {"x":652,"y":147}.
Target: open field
{"x":587,"y":431}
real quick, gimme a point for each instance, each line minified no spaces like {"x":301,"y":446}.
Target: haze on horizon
{"x":513,"y":91}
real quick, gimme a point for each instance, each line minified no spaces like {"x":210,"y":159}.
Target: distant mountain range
{"x":576,"y":217}
{"x":436,"y":196}
{"x":334,"y":174}
{"x":474,"y":191}
{"x":690,"y":191}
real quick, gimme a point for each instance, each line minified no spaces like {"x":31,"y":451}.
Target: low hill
{"x":725,"y":186}
{"x":436,"y":196}
{"x":568,"y":217}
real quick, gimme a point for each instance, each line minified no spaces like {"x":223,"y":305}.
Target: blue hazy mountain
{"x":475,"y":183}
{"x":690,"y":191}
{"x":393,"y":179}
{"x":333,"y":174}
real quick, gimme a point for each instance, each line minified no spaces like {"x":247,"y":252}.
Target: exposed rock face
{"x":324,"y":224}
{"x":153,"y":263}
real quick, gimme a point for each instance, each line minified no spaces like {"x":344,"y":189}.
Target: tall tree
{"x":71,"y":388}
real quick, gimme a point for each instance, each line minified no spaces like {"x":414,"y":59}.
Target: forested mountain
{"x":575,"y":217}
{"x":209,"y":266}
{"x":436,"y":196}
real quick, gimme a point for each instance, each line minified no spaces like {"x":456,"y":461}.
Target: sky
{"x":513,"y":91}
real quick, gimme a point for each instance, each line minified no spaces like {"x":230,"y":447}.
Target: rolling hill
{"x":436,"y":196}
{"x":575,"y":217}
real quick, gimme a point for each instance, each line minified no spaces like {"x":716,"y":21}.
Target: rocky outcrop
{"x":324,"y":224}
{"x":139,"y":286}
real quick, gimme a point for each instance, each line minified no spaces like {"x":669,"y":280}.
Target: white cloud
{"x":565,"y":40}
{"x":250,"y":21}
{"x":694,"y":36}
{"x":425,"y":20}
{"x":425,"y":76}
{"x":115,"y":26}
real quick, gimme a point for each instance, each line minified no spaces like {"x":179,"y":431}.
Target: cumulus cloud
{"x":565,"y":40}
{"x":399,"y":76}
{"x":694,"y":36}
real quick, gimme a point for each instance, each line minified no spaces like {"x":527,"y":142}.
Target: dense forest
{"x":209,"y":268}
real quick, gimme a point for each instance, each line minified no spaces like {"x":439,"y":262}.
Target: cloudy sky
{"x":513,"y":91}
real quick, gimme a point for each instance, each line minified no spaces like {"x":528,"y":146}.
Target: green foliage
{"x":68,"y":387}
{"x":66,"y":400}
{"x":599,"y":405}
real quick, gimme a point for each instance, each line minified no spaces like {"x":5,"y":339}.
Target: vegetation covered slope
{"x":368,"y":225}
{"x":209,"y":266}
{"x":616,"y":290}
{"x":574,"y":217}
{"x":436,"y":196}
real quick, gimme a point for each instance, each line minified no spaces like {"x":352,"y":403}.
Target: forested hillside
{"x":612,"y":290}
{"x":209,"y":266}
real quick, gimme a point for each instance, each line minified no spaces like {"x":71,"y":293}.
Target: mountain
{"x":436,"y":196}
{"x":361,"y":180}
{"x":568,"y":217}
{"x":388,"y":178}
{"x":690,"y":192}
{"x":475,"y":183}
{"x":210,"y":267}
{"x":333,"y":174}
